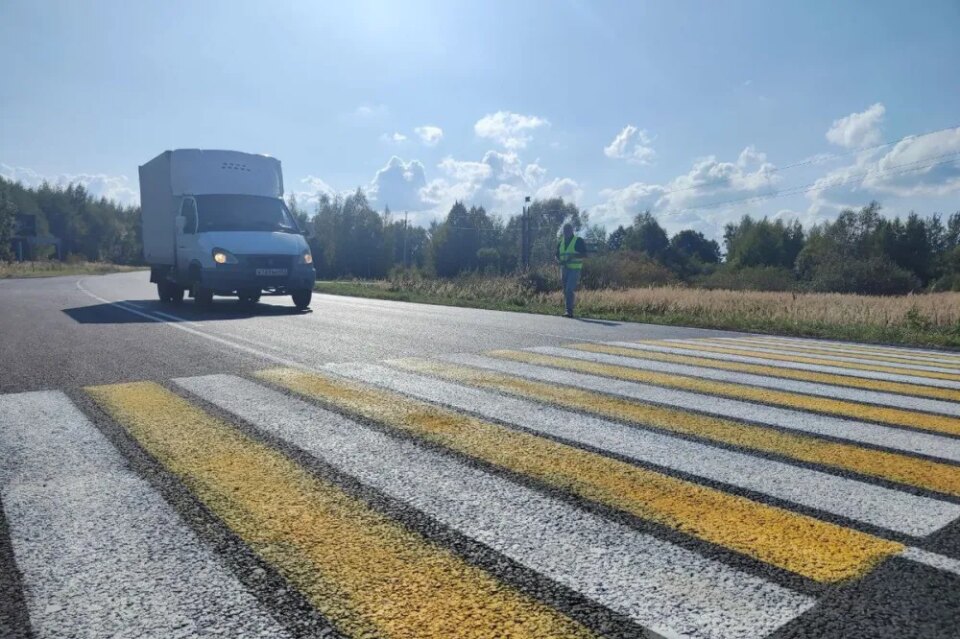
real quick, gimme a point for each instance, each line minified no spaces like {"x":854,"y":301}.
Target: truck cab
{"x":215,"y":223}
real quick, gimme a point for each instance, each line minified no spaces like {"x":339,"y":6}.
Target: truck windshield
{"x":244,"y":213}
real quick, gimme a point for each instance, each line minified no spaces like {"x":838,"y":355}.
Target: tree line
{"x":88,"y":228}
{"x":861,"y":251}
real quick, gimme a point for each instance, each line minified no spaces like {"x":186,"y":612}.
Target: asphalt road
{"x":385,"y":469}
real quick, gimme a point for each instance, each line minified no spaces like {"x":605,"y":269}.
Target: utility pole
{"x":404,"y":240}
{"x":525,"y":234}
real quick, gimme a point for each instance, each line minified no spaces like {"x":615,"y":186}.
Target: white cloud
{"x":395,"y":138}
{"x":113,"y":187}
{"x":566,"y":188}
{"x":429,"y":135}
{"x":925,"y":165}
{"x":631,"y":144}
{"x":858,"y":130}
{"x":678,"y":203}
{"x":370,"y":111}
{"x":511,"y":130}
{"x":398,"y":186}
{"x":917,"y":166}
{"x":499,"y":182}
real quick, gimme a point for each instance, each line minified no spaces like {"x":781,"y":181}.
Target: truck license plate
{"x":271,"y":272}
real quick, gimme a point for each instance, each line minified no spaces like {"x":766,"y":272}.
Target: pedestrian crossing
{"x":703,"y":488}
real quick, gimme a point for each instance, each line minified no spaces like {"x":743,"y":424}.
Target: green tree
{"x":693,"y":245}
{"x":753,"y":243}
{"x":7,"y":218}
{"x":646,"y":235}
{"x":458,"y":240}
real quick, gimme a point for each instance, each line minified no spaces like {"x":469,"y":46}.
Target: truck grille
{"x":266,"y":261}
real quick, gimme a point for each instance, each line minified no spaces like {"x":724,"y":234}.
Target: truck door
{"x":187,"y":237}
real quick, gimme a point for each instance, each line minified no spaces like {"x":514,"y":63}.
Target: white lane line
{"x":162,"y":317}
{"x":883,"y":507}
{"x":863,"y":361}
{"x":102,"y":554}
{"x":932,"y":559}
{"x":655,"y":583}
{"x":796,"y":386}
{"x":179,"y":324}
{"x":816,"y":368}
{"x":852,"y":430}
{"x":854,"y":349}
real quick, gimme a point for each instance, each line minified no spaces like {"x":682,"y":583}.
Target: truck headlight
{"x":221,"y":256}
{"x":306,"y":258}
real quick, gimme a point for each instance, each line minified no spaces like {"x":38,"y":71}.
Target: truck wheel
{"x":169,"y":293}
{"x":301,"y":298}
{"x":203,"y":296}
{"x":163,"y":291}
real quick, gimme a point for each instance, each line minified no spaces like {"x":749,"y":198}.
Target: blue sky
{"x":678,"y":107}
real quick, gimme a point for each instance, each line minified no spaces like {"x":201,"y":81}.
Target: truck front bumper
{"x":230,"y":279}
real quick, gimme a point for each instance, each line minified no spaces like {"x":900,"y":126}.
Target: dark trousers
{"x":571,"y":277}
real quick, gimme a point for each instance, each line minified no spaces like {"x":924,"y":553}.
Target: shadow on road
{"x":596,"y":321}
{"x":185,"y":312}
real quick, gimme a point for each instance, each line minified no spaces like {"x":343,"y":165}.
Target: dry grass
{"x":926,"y":310}
{"x":927,"y":320}
{"x":53,"y":269}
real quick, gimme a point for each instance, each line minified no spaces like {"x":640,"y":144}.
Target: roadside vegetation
{"x":53,"y":268}
{"x":861,"y":276}
{"x":931,"y":319}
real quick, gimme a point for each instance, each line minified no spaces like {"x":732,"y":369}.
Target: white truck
{"x":215,"y":223}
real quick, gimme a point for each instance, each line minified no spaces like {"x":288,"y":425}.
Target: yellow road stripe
{"x":807,"y":546}
{"x":895,"y":467}
{"x":709,"y":347}
{"x":853,"y":410}
{"x":366,"y":573}
{"x":802,"y":349}
{"x":929,"y":358}
{"x":914,"y":390}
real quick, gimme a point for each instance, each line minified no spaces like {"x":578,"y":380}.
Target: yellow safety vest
{"x":567,"y":252}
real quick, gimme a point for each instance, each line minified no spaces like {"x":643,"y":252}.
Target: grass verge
{"x":929,"y":320}
{"x":54,"y":269}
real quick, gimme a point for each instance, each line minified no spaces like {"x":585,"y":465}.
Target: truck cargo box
{"x":165,"y":179}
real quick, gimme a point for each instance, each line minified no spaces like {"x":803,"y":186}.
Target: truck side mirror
{"x":180,"y":222}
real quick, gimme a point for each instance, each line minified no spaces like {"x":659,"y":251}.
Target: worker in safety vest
{"x":570,"y":253}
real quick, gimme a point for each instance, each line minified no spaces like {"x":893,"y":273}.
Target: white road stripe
{"x":102,"y":554}
{"x":932,"y":559}
{"x":658,"y":584}
{"x":864,"y":361}
{"x":808,"y":388}
{"x":816,"y":368}
{"x":854,"y":349}
{"x":852,"y":430}
{"x":883,"y":507}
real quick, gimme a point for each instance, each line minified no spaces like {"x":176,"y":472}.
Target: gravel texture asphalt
{"x":385,"y":469}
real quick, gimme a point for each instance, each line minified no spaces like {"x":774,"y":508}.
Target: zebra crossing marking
{"x":776,"y":372}
{"x":654,"y":582}
{"x":471,"y":442}
{"x":593,"y":395}
{"x":366,"y":573}
{"x":768,"y":354}
{"x":894,"y":416}
{"x":865,"y":355}
{"x":877,"y":505}
{"x":790,"y":541}
{"x":101,"y":553}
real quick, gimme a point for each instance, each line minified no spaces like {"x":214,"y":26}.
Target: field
{"x":53,"y":269}
{"x":923,"y":320}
